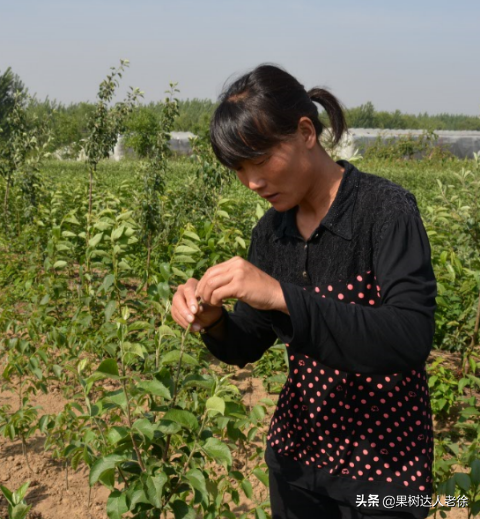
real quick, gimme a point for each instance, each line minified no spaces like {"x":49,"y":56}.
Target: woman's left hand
{"x":239,"y":279}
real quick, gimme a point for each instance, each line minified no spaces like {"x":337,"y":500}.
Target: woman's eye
{"x":261,"y":161}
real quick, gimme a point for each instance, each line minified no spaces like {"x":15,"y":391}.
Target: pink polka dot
{"x":369,"y":286}
{"x":422,"y":488}
{"x":330,"y":288}
{"x":341,"y":296}
{"x":371,"y":302}
{"x":379,"y":386}
{"x":405,"y":483}
{"x":389,"y":480}
{"x":350,"y":286}
{"x":361,"y":295}
{"x":359,"y":278}
{"x":317,"y":289}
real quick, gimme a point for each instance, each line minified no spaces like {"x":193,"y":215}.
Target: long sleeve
{"x":248,"y":331}
{"x":392,"y":337}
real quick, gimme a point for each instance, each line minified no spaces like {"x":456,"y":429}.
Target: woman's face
{"x":283,"y":176}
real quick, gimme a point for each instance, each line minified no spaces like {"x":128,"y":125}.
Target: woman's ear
{"x":307,"y":132}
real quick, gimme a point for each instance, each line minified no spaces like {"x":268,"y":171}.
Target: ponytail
{"x":334,"y":111}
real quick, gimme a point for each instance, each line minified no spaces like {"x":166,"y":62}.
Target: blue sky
{"x":415,"y":56}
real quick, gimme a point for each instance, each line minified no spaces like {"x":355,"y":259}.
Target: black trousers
{"x":291,"y":502}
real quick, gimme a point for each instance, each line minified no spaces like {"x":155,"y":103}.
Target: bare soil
{"x":48,"y":493}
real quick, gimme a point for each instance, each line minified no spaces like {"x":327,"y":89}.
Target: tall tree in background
{"x":9,"y":84}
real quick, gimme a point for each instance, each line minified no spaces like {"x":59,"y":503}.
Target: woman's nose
{"x":256,"y":183}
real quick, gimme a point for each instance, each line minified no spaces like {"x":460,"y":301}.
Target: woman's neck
{"x":326,"y":178}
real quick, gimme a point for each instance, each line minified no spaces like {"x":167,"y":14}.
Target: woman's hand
{"x":187,"y":311}
{"x":239,"y":279}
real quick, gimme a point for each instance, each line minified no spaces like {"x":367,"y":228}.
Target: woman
{"x":339,"y":269}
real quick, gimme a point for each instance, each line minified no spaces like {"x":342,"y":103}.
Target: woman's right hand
{"x":187,"y":311}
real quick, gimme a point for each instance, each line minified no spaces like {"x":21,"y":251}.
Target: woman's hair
{"x":261,"y":109}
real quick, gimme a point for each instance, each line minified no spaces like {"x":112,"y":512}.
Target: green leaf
{"x":463,"y":481}
{"x":156,"y":388}
{"x":241,"y":242}
{"x":139,"y":325}
{"x":172,"y":357}
{"x":218,"y":451}
{"x":168,"y":427}
{"x":109,"y":368}
{"x":196,"y":380}
{"x":8,"y":494}
{"x":108,"y":479}
{"x":183,"y":249}
{"x":71,"y":219}
{"x":215,"y":405}
{"x":20,"y":511}
{"x":184,"y":418}
{"x":108,"y":281}
{"x":154,"y":488}
{"x":475,"y":471}
{"x":117,"y":233}
{"x":138,"y":496}
{"x":165,"y":330}
{"x":182,"y":511}
{"x":258,"y":413}
{"x":259,"y":212}
{"x":261,"y":475}
{"x":102,"y":226}
{"x":102,"y":465}
{"x":117,"y":505}
{"x":109,"y":310}
{"x":165,"y":271}
{"x":60,"y":264}
{"x":259,"y":513}
{"x":95,"y":240}
{"x":192,"y":235}
{"x":145,"y":428}
{"x":197,"y":480}
{"x":247,"y":488}
{"x":116,"y":434}
{"x":179,"y":273}
{"x":185,"y":259}
{"x":475,"y":508}
{"x":118,"y":398}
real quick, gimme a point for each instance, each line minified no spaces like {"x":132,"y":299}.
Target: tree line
{"x":69,"y":122}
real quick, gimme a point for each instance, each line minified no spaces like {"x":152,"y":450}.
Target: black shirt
{"x":354,"y":416}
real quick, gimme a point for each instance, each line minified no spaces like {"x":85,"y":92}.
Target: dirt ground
{"x":48,"y":493}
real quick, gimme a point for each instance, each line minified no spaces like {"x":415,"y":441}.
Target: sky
{"x":414,"y":56}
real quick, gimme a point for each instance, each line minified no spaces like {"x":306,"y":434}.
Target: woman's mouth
{"x":272,"y":197}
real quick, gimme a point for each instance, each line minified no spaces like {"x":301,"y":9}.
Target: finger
{"x":212,"y":284}
{"x":212,"y":272}
{"x":227,"y":291}
{"x":179,"y":306}
{"x":179,"y":319}
{"x":191,"y":300}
